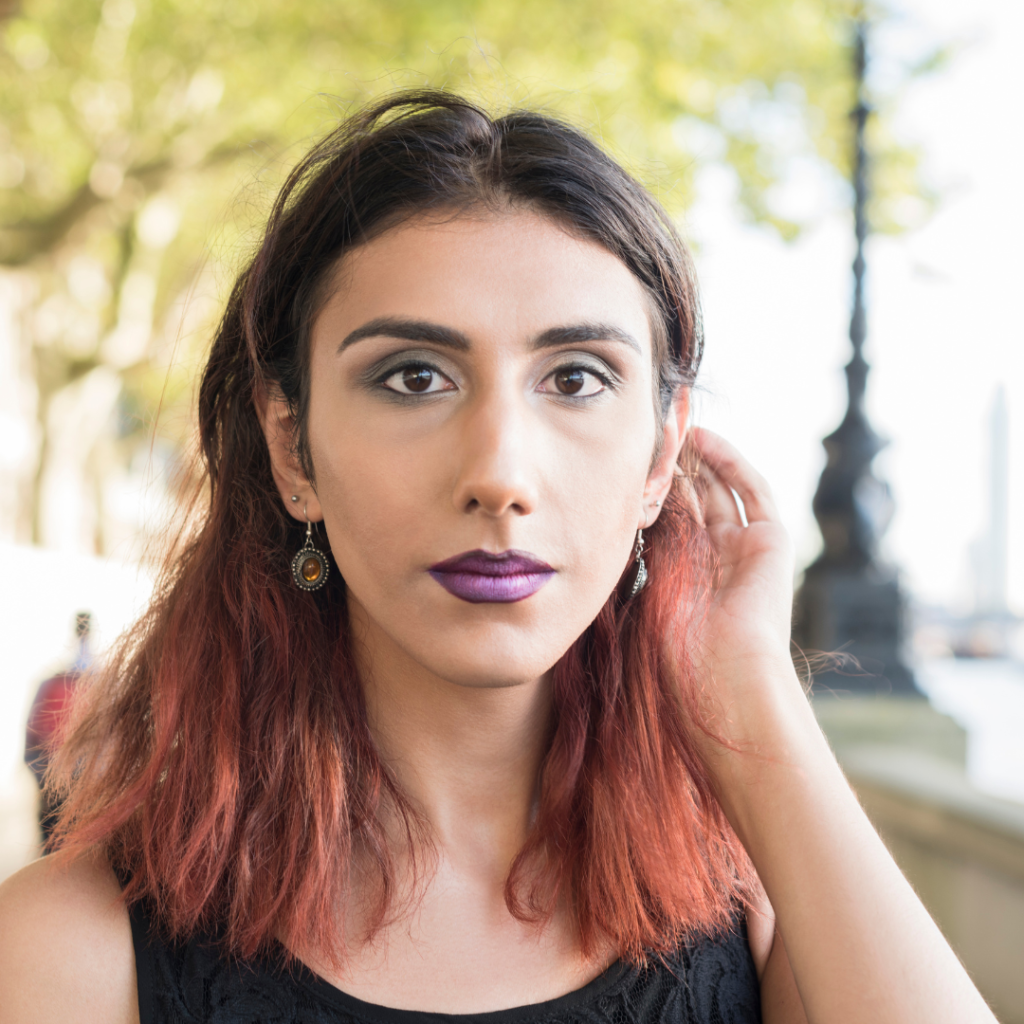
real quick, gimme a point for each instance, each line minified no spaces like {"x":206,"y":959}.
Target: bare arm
{"x":780,"y":999}
{"x":861,"y":945}
{"x":65,"y":946}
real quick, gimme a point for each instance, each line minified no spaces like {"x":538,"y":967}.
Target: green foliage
{"x":141,"y":140}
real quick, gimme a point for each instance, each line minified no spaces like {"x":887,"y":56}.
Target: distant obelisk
{"x":849,"y":600}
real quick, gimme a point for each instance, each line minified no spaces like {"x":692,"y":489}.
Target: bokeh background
{"x":141,"y":143}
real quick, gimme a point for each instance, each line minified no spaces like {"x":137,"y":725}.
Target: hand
{"x":746,"y":637}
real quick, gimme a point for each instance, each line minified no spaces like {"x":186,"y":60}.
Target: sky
{"x":945,"y":326}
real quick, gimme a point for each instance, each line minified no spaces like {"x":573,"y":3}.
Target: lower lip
{"x":480,"y":589}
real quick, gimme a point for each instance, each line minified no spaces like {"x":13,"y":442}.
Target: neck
{"x":467,"y":756}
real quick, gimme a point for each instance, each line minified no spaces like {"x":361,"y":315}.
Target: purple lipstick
{"x":481,"y":577}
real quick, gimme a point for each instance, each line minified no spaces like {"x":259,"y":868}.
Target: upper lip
{"x":486,"y":563}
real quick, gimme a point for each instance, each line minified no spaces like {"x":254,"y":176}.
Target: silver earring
{"x":641,"y":570}
{"x":295,"y":497}
{"x":309,"y":567}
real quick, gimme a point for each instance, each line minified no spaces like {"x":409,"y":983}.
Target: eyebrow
{"x":577,"y":333}
{"x":408,"y":330}
{"x":448,"y":337}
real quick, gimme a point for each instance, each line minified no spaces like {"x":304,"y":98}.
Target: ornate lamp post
{"x":850,"y":601}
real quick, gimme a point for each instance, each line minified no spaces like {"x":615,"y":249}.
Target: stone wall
{"x":962,"y":850}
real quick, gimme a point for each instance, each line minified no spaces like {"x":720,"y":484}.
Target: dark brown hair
{"x":225,"y":763}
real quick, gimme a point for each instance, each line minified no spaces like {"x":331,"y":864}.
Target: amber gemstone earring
{"x":309,"y":566}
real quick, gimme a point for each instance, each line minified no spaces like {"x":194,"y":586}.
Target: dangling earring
{"x":309,"y":566}
{"x":641,"y":570}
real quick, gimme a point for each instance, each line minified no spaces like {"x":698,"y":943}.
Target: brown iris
{"x":569,"y":381}
{"x":417,"y":378}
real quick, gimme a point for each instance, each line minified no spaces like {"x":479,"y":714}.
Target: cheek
{"x":597,"y":490}
{"x":376,"y":497}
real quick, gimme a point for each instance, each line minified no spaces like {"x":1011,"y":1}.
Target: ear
{"x":659,"y":480}
{"x":279,"y":431}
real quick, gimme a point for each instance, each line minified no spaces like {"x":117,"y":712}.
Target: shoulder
{"x":66,"y":945}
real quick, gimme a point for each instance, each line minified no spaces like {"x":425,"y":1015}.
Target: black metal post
{"x":850,"y":601}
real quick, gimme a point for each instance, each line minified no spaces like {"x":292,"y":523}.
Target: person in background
{"x":46,"y":718}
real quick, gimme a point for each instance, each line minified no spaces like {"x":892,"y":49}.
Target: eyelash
{"x":410,"y":364}
{"x":606,"y":379}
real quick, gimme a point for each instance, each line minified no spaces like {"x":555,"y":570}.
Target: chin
{"x":483,"y":645}
{"x":492,"y":655}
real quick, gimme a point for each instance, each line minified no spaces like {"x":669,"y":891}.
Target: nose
{"x":497,"y":464}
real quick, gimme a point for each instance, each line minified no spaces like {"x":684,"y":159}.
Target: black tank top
{"x":710,"y":981}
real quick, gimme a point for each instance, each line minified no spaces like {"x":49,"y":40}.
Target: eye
{"x":417,"y":379}
{"x":575,"y":381}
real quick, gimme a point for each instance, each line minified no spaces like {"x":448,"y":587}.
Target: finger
{"x":734,"y":471}
{"x":718,"y":501}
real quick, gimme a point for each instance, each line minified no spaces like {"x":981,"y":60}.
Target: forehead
{"x":495,"y":274}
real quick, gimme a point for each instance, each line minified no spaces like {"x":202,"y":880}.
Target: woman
{"x":471,"y":694}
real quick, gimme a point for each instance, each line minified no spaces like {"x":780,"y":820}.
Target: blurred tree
{"x":132,"y":132}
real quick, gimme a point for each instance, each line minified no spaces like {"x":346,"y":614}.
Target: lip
{"x":481,"y":577}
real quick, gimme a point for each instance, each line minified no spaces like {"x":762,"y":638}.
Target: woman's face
{"x":482,"y":386}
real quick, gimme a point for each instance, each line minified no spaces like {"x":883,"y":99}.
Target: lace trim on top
{"x":708,"y":981}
